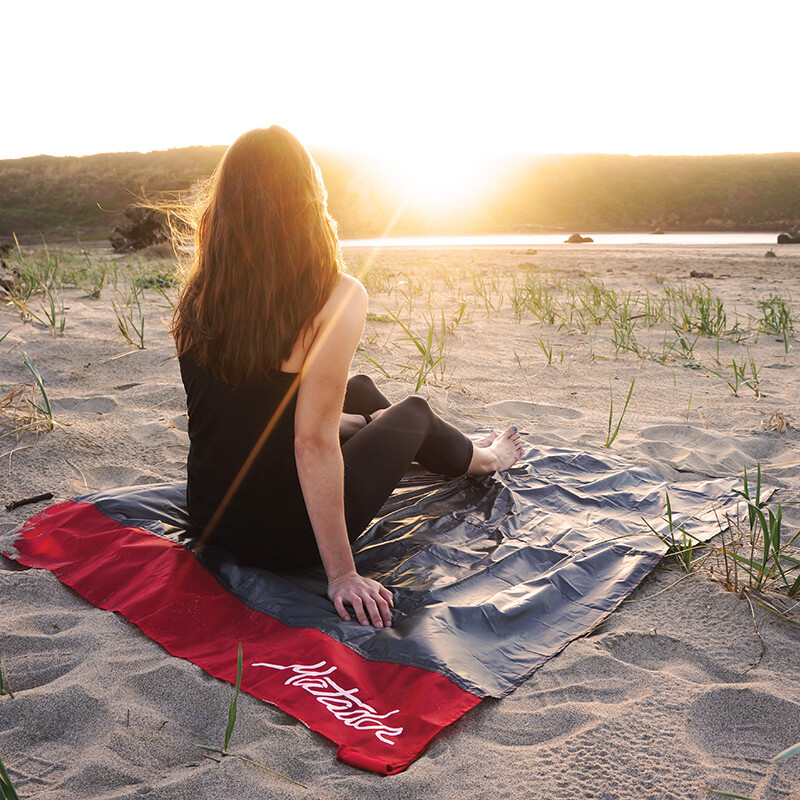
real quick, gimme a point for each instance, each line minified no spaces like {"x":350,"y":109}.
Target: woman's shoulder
{"x":349,"y":295}
{"x":350,"y":288}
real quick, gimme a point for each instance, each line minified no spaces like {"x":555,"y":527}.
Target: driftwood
{"x":38,"y":498}
{"x":143,"y":230}
{"x":9,"y":278}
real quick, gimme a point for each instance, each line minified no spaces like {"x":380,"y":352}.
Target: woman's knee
{"x":361,"y":383}
{"x":363,"y":396}
{"x":416,"y":405}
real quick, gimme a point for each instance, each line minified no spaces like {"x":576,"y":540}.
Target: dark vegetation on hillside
{"x":64,"y":197}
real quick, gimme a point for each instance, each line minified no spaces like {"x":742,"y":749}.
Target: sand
{"x":684,"y":687}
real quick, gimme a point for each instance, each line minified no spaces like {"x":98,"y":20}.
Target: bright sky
{"x":431,"y":80}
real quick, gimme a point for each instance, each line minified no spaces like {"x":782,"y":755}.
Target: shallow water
{"x":540,"y":239}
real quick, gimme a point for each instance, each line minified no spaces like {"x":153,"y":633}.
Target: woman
{"x":266,"y":327}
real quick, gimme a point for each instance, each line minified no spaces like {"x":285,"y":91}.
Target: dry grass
{"x":779,"y":421}
{"x":19,"y":412}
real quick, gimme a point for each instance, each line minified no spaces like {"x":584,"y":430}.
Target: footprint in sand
{"x":522,"y":409}
{"x":521,"y":728}
{"x":582,"y":675}
{"x":160,"y":433}
{"x":670,"y":657}
{"x":37,"y":666}
{"x":688,"y":447}
{"x":666,"y":452}
{"x":85,"y":405}
{"x":160,"y":687}
{"x":180,"y":422}
{"x":750,"y":722}
{"x":688,"y":436}
{"x":110,"y":476}
{"x":68,"y":713}
{"x":51,"y":624}
{"x":158,"y":395}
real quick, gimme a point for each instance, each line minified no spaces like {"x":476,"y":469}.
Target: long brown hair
{"x":266,"y":258}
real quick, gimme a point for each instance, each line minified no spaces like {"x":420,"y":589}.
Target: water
{"x":542,"y":239}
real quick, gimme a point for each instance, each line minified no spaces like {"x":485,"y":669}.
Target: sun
{"x":437,"y":181}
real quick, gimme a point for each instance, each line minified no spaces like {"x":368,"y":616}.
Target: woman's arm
{"x":319,"y":457}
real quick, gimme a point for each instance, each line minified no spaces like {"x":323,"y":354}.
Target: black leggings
{"x":378,"y":455}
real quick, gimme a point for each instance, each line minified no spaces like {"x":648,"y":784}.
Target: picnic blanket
{"x":491,"y":577}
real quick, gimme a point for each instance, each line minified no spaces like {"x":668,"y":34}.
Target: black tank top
{"x":265,"y":522}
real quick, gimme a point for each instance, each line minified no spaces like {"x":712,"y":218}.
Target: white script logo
{"x":342,"y":703}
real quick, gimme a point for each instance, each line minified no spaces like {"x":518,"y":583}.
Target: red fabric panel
{"x":381,"y":715}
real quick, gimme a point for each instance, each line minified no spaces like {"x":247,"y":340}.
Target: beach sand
{"x":685,"y":686}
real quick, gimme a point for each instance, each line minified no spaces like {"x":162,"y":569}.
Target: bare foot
{"x":486,"y":440}
{"x":500,"y":455}
{"x":508,"y":447}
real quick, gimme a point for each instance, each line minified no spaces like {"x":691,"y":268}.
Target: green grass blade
{"x":232,"y":707}
{"x":430,"y":344}
{"x":51,"y":316}
{"x":788,"y":752}
{"x":210,"y":749}
{"x":610,"y":418}
{"x":794,"y":588}
{"x":7,"y":791}
{"x":758,"y":485}
{"x":767,"y":544}
{"x":407,"y":330}
{"x":775,"y":540}
{"x":376,"y":364}
{"x":47,"y":410}
{"x":745,"y":493}
{"x":776,"y":527}
{"x":728,"y":794}
{"x":424,"y":371}
{"x":420,"y":377}
{"x":610,"y":441}
{"x":753,"y":568}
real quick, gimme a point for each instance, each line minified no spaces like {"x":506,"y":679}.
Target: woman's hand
{"x":368,"y":599}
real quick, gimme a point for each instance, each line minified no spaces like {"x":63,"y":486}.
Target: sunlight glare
{"x":435,"y":181}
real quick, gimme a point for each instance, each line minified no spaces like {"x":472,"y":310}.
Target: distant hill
{"x":85,"y":196}
{"x":63,"y":197}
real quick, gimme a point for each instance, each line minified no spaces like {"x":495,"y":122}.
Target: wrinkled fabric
{"x":490,"y":577}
